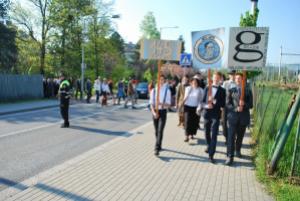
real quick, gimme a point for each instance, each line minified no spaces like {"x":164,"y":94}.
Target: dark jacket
{"x":232,"y":103}
{"x":219,"y":98}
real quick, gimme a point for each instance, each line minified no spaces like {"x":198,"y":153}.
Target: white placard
{"x":248,"y":47}
{"x":161,"y":49}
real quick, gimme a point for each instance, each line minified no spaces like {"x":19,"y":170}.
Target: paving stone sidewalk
{"x":126,"y":169}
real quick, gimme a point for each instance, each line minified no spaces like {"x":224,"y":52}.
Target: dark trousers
{"x":64,"y":111}
{"x":236,"y":132}
{"x":159,"y":125}
{"x":224,"y":124}
{"x":211,"y":126}
{"x":191,"y":120}
{"x":78,"y":91}
{"x":97,"y":96}
{"x":88,"y":97}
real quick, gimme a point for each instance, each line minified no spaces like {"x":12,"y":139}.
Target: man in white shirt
{"x":160,"y":117}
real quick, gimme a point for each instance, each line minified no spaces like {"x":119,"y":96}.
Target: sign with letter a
{"x":248,"y":46}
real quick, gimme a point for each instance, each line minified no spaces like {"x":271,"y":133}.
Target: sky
{"x":282,"y":18}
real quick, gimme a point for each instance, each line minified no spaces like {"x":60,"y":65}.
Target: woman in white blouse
{"x":192,"y":104}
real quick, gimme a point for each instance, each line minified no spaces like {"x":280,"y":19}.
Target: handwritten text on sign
{"x":161,"y":49}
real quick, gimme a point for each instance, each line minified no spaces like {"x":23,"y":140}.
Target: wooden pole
{"x":209,"y":85}
{"x":242,"y":98}
{"x":158,"y":87}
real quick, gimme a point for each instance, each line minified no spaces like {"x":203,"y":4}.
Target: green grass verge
{"x":278,"y":184}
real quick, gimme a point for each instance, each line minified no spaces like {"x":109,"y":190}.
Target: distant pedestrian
{"x":78,"y":89}
{"x":105,"y":91}
{"x":179,"y":99}
{"x":88,"y":90}
{"x":97,"y":88}
{"x":130,"y":94}
{"x":160,"y":118}
{"x":64,"y":91}
{"x":121,"y":91}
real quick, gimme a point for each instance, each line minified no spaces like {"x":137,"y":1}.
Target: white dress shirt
{"x":105,"y":88}
{"x":193,"y":96}
{"x":164,"y":93}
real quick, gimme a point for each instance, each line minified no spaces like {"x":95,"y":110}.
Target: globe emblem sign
{"x":208,"y":49}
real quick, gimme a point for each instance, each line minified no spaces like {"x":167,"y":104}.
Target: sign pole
{"x":243,"y":85}
{"x":209,"y":85}
{"x":158,"y":87}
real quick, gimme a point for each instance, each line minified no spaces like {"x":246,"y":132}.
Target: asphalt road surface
{"x":32,"y":142}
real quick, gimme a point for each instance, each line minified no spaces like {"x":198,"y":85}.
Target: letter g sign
{"x":248,"y":46}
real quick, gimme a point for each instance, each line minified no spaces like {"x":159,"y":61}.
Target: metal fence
{"x":19,"y":87}
{"x":272,"y":108}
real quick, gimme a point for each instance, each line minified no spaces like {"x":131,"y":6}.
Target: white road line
{"x":52,"y":124}
{"x":59,"y":122}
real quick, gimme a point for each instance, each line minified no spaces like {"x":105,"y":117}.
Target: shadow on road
{"x":99,"y":131}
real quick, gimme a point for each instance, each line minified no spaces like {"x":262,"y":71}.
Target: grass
{"x":278,"y":184}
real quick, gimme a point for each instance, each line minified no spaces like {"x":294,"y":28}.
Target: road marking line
{"x":59,"y":122}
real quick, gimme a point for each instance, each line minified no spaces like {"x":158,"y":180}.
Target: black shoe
{"x":206,"y":150}
{"x":65,"y":126}
{"x":133,"y":107}
{"x":186,"y":139}
{"x":211,"y":159}
{"x":229,"y":161}
{"x":156,"y":153}
{"x":238,"y":154}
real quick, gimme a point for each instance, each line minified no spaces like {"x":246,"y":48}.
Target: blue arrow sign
{"x":185,"y":59}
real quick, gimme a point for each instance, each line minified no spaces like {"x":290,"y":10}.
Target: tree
{"x":26,"y":18}
{"x":8,"y":48}
{"x":249,"y":20}
{"x":148,"y":27}
{"x":4,"y":8}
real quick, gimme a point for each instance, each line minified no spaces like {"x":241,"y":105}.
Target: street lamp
{"x":162,"y":28}
{"x":82,"y":50}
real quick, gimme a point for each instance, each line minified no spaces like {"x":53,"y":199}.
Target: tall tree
{"x":148,"y":27}
{"x":8,"y":48}
{"x":26,"y":19}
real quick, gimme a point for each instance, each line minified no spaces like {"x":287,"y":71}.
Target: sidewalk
{"x":10,"y":108}
{"x":126,"y":169}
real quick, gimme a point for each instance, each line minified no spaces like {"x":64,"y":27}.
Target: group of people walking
{"x":219,"y":101}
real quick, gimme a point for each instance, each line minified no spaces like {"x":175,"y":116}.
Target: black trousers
{"x":236,"y":132}
{"x":64,"y":111}
{"x":211,"y":126}
{"x":191,"y":120}
{"x":224,"y":123}
{"x":159,"y":125}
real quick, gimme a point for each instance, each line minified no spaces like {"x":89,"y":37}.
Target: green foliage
{"x":148,"y":27}
{"x":148,"y":75}
{"x":28,"y":58}
{"x":8,"y":48}
{"x":273,"y":119}
{"x":120,"y":72}
{"x":249,"y":20}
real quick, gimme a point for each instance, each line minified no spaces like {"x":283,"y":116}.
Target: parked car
{"x":142,"y":90}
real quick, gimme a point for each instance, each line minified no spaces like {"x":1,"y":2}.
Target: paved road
{"x":33,"y":142}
